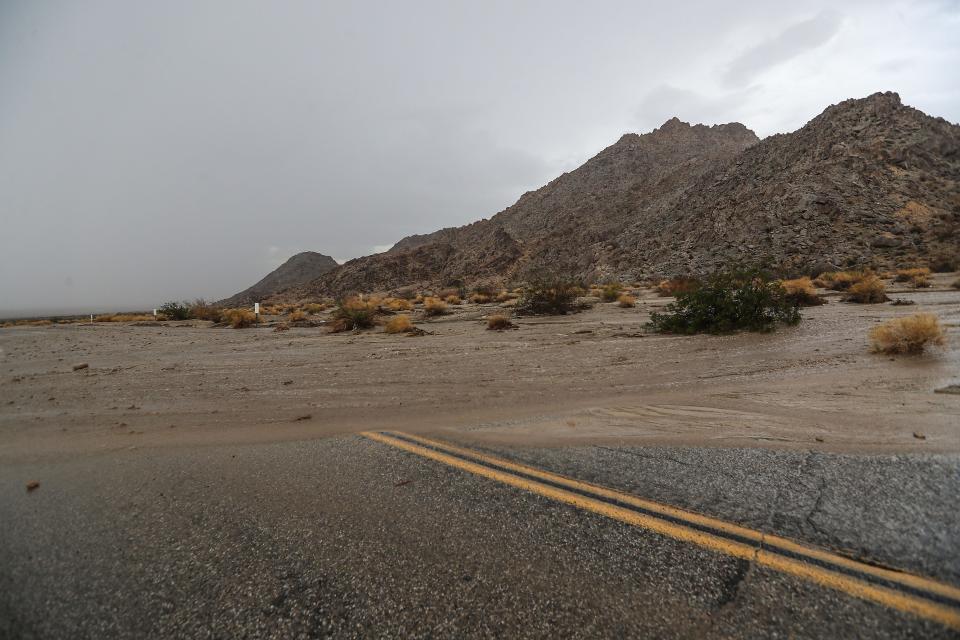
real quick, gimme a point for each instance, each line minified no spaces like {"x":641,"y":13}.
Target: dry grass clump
{"x":27,"y":323}
{"x":239,"y":318}
{"x":398,"y":304}
{"x":908,"y":275}
{"x":610,"y":292}
{"x":200,"y":309}
{"x":434,"y":306}
{"x":919,"y":277}
{"x":869,"y":290}
{"x":626,"y":301}
{"x":920,"y":282}
{"x":313,"y":307}
{"x":298,"y":315}
{"x":480,"y":298}
{"x":802,"y":292}
{"x":123,"y":317}
{"x":911,"y":334}
{"x":454,"y":300}
{"x":841,"y":280}
{"x":505,"y":295}
{"x":399,"y":324}
{"x":499,"y":322}
{"x":354,"y":314}
{"x":956,"y":284}
{"x":675,"y":286}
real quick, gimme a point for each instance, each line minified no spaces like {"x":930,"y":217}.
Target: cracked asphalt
{"x":346,"y":537}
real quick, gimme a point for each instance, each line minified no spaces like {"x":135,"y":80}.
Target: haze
{"x":156,"y":151}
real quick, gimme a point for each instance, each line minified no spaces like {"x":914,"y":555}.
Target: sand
{"x":590,"y":377}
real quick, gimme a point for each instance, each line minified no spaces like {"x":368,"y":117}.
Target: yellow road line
{"x":767,"y":539}
{"x":847,"y":584}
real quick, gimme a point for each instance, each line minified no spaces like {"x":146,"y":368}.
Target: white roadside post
{"x":154,"y":314}
{"x":256,"y":310}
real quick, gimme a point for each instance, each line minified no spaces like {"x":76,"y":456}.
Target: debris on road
{"x":81,"y":365}
{"x":33,"y":484}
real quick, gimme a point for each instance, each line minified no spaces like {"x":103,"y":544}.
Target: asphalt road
{"x":354,"y":537}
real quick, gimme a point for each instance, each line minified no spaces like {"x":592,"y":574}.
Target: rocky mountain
{"x":298,"y":271}
{"x":867,"y":182}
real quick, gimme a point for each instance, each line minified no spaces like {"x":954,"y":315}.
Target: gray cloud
{"x":794,"y":41}
{"x":151,"y":151}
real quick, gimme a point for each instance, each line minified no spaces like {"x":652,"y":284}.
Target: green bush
{"x":175,"y":310}
{"x":548,"y":295}
{"x":728,"y":302}
{"x":610,"y":292}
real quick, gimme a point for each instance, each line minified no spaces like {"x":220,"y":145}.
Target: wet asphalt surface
{"x":345,"y":537}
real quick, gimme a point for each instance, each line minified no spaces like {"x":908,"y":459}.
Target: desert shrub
{"x":840,"y":280}
{"x":200,"y":309}
{"x":676,"y":286}
{"x":448,"y":292}
{"x":298,"y":315}
{"x":920,"y":282}
{"x":487,"y":290}
{"x":498,"y":322}
{"x":610,"y":292}
{"x":549,"y":295}
{"x":956,"y":284}
{"x":354,"y":313}
{"x":29,"y":323}
{"x":626,"y":301}
{"x":479,"y":298}
{"x":399,"y":324}
{"x":944,"y":263}
{"x":907,"y":335}
{"x":908,"y":275}
{"x":728,"y":302}
{"x":505,"y":295}
{"x":434,"y":306}
{"x":801,"y":292}
{"x":869,"y":290}
{"x":239,"y":318}
{"x":398,"y":304}
{"x":175,"y":310}
{"x":313,"y":307}
{"x":454,"y":300}
{"x":406,"y":293}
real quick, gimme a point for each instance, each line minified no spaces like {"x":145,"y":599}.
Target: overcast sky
{"x":160,"y":150}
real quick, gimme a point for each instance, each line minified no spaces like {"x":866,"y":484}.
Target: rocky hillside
{"x":868,"y":182}
{"x":298,"y":271}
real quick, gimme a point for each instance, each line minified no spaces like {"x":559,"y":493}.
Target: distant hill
{"x":867,"y":182}
{"x":297,"y":271}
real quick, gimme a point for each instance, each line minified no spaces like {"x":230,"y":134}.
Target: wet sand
{"x":585,"y":378}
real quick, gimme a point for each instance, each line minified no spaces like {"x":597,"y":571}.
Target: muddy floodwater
{"x":589,"y":377}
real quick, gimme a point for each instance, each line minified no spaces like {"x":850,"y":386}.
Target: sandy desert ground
{"x":584,"y":378}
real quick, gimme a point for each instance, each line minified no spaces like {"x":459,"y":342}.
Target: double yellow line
{"x":895,"y":589}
